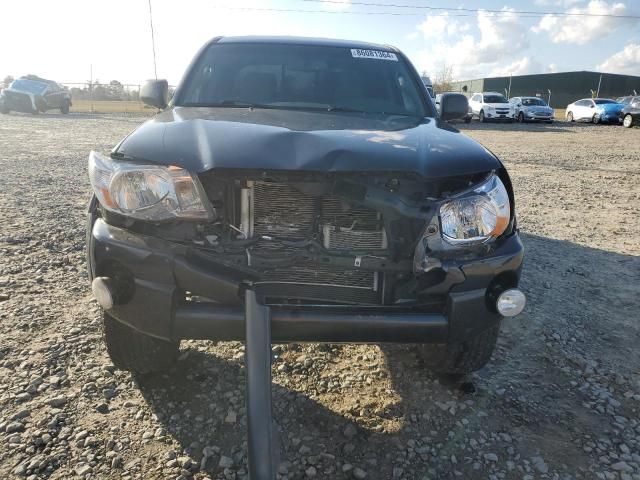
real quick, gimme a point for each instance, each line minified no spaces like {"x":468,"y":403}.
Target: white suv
{"x":491,"y":106}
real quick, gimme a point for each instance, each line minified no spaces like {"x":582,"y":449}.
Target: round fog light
{"x":511,"y":302}
{"x":102,"y":292}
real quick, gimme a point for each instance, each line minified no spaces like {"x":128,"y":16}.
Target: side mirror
{"x":519,"y":105}
{"x":592,"y":106}
{"x":453,"y":106}
{"x":155,"y":93}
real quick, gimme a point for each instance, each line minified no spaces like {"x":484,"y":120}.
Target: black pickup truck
{"x":317,"y":175}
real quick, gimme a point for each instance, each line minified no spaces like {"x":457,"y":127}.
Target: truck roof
{"x":326,"y":42}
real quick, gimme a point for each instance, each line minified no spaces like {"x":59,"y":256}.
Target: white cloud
{"x":336,"y":5}
{"x":557,"y":3}
{"x":626,"y":61}
{"x":453,"y":42}
{"x":524,"y":66}
{"x":580,"y":29}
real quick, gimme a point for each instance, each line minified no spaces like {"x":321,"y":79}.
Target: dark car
{"x":32,"y":94}
{"x":438,"y":100}
{"x":315,"y":178}
{"x":630,"y":113}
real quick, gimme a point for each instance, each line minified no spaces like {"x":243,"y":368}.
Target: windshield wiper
{"x":336,"y":108}
{"x":229,"y":103}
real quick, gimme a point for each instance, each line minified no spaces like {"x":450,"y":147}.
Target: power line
{"x":353,"y":12}
{"x":473,"y":10}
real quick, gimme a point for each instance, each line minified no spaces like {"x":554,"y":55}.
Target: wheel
{"x":570,"y":117}
{"x":467,"y":119}
{"x":521,"y":117}
{"x":64,"y":109}
{"x":461,"y":358}
{"x":135,"y":351}
{"x":596,"y":118}
{"x":481,"y":116}
{"x":549,"y":122}
{"x":627,"y":121}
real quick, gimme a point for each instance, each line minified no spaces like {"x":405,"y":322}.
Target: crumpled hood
{"x":201,"y":139}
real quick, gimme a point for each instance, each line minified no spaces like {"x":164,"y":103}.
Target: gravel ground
{"x":559,"y":400}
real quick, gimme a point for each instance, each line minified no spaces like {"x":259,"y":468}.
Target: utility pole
{"x":91,"y":86}
{"x":509,"y":93}
{"x":599,"y":83}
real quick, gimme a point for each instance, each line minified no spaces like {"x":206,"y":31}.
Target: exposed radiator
{"x":279,"y":210}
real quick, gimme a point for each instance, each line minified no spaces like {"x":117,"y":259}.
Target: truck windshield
{"x":495,"y":99}
{"x":307,"y":77}
{"x":29,"y":86}
{"x":530,"y":102}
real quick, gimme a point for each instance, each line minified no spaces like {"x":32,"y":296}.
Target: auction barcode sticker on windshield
{"x":377,"y":54}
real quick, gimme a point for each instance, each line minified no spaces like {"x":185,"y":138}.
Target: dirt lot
{"x":559,"y":400}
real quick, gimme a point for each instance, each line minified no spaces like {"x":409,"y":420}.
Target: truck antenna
{"x":153,"y":42}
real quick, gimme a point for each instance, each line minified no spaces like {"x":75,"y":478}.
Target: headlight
{"x":147,"y":192}
{"x":476,"y":216}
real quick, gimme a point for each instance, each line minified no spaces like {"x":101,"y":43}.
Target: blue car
{"x":596,"y":110}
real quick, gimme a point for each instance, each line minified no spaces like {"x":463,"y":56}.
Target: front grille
{"x":502,"y":111}
{"x":18,"y":100}
{"x":281,"y":211}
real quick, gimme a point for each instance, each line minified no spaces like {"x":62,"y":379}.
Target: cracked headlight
{"x":146,"y":191}
{"x":476,"y":216}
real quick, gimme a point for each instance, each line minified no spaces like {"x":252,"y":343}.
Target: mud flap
{"x":263,"y":448}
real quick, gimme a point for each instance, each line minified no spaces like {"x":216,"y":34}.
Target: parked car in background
{"x":426,"y":81}
{"x":626,"y":100}
{"x":491,"y":106}
{"x":630,"y":113}
{"x":532,"y":109}
{"x":596,"y":110}
{"x":32,"y":94}
{"x":438,"y":101}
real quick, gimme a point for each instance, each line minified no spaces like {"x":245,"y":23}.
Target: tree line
{"x":114,"y":90}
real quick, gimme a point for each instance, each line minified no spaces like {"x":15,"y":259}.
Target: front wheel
{"x":596,"y":118}
{"x":135,"y":351}
{"x":521,"y":117}
{"x":570,"y":117}
{"x":467,"y":119}
{"x":481,"y":116}
{"x":64,"y":109}
{"x":461,"y":358}
{"x":627,"y":121}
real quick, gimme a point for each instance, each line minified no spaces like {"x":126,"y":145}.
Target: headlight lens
{"x":147,"y":192}
{"x":476,"y":216}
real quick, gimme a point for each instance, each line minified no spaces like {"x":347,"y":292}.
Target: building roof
{"x":590,"y":72}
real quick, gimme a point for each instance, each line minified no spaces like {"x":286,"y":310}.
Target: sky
{"x":70,"y":40}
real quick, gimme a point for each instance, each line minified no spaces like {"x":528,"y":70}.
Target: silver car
{"x":532,"y":109}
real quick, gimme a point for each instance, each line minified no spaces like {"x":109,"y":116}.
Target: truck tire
{"x":135,"y":351}
{"x":64,"y":109}
{"x":481,"y":116}
{"x":461,"y":358}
